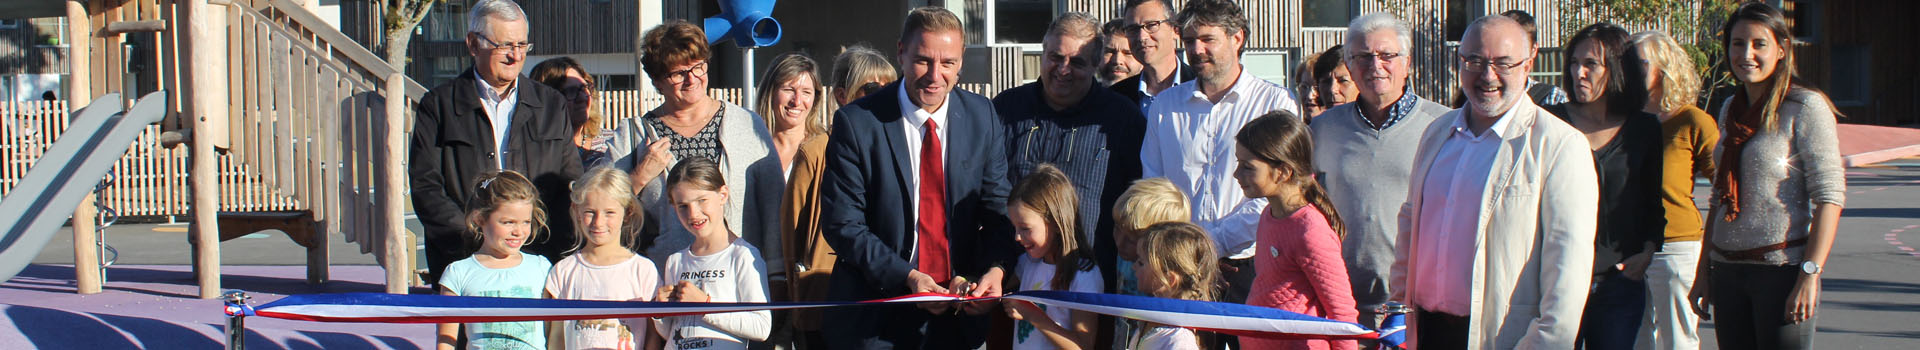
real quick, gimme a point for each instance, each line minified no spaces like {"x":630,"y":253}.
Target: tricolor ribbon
{"x":1236,"y":319}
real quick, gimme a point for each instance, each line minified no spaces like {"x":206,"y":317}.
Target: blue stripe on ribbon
{"x":396,"y":308}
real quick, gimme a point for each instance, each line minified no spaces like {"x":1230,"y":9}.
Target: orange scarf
{"x":1746,"y":122}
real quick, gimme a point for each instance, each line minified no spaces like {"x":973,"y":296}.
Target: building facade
{"x":1838,"y":49}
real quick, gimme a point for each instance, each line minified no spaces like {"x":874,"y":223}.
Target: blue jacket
{"x":864,"y":204}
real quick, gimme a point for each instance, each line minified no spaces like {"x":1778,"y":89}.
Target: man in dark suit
{"x":914,"y":200}
{"x":484,"y":120}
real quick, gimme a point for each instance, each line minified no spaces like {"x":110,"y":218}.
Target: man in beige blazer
{"x":1496,"y":237}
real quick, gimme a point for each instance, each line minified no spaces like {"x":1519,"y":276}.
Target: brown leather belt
{"x":1761,"y":252}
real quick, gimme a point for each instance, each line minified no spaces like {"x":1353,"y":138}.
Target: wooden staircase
{"x":312,"y":114}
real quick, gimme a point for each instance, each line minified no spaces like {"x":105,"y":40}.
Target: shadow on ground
{"x":58,"y":329}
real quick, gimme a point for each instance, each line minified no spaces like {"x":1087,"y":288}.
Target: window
{"x":1021,"y":21}
{"x":1457,"y":19}
{"x":446,"y":23}
{"x":1804,"y":17}
{"x":445,"y":68}
{"x":50,"y":32}
{"x":1270,"y":65}
{"x":9,"y":23}
{"x":616,"y":82}
{"x":1852,"y":78}
{"x":1326,"y":13}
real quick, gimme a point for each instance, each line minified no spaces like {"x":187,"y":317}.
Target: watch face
{"x":1809,"y":267}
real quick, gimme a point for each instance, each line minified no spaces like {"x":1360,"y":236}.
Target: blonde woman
{"x":1688,"y":135}
{"x":857,"y":71}
{"x":794,"y":104}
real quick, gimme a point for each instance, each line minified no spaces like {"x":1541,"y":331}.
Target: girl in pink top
{"x":1298,"y":266}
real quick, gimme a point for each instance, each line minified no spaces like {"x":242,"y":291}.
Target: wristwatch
{"x":1810,"y":268}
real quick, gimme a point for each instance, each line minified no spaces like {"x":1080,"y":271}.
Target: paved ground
{"x":1871,"y":297}
{"x":153,"y":307}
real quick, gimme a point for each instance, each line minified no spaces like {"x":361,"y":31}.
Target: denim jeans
{"x":1614,"y":309}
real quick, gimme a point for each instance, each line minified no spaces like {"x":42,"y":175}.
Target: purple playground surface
{"x":156,"y":307}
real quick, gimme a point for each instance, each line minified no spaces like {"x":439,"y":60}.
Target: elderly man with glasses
{"x":484,"y":120}
{"x":1496,"y":237}
{"x":1374,"y":140}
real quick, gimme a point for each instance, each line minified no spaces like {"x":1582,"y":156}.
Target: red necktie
{"x":932,"y":225}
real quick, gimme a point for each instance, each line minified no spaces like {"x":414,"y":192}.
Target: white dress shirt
{"x":1189,"y":141}
{"x":499,"y":109}
{"x":916,"y":129}
{"x":1447,"y":231}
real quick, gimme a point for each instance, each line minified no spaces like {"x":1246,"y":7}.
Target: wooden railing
{"x":149,"y":181}
{"x":312,"y":114}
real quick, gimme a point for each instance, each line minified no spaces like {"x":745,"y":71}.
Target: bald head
{"x":1495,"y":56}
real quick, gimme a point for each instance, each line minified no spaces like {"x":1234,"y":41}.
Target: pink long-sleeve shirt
{"x":1299,"y":269}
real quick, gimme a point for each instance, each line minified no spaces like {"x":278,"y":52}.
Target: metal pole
{"x":746,"y":71}
{"x":237,"y":312}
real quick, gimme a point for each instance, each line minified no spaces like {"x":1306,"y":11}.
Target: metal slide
{"x":36,"y":208}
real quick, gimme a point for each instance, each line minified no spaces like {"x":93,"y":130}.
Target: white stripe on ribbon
{"x":386,"y":308}
{"x":1215,"y":322}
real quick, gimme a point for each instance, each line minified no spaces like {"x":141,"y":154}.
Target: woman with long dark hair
{"x":1777,"y":193}
{"x":1605,"y":105}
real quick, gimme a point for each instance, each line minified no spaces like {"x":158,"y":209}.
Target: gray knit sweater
{"x":1366,"y":175}
{"x":1785,"y":172}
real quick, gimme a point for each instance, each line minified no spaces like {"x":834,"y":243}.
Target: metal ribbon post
{"x":237,"y":312}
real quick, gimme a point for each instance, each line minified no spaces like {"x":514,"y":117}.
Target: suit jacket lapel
{"x":467,"y":98}
{"x":960,"y":139}
{"x":1510,"y":158}
{"x":896,"y":140}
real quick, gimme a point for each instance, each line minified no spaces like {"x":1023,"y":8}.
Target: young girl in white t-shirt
{"x":603,"y":267}
{"x":1043,"y":207}
{"x":506,"y":211}
{"x":1176,"y":262}
{"x":718,"y":267}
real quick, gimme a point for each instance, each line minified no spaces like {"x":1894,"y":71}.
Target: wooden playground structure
{"x":309,"y":113}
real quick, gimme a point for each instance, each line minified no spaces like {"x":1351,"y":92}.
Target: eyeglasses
{"x":519,"y":47}
{"x":681,"y":76}
{"x":1481,"y":64}
{"x":870,"y":88}
{"x":577,"y":93}
{"x":1371,"y":57}
{"x":1148,"y":25}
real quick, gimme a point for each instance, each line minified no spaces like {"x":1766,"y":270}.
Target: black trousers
{"x":1439,"y":331}
{"x":1750,"y":307}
